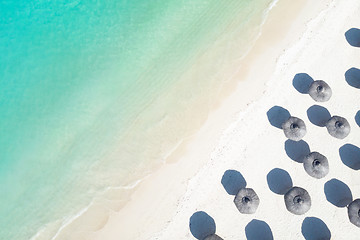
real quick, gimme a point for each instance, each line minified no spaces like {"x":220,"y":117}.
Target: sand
{"x":300,"y":37}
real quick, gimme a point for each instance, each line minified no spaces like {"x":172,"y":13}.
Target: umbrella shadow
{"x":233,"y":181}
{"x":357,"y":118}
{"x":257,"y":229}
{"x":352,"y":77}
{"x":277,"y":116}
{"x":318,"y":115}
{"x":202,"y":225}
{"x":297,"y":150}
{"x":337,"y":193}
{"x":302,"y":82}
{"x":279,"y":181}
{"x":314,"y":228}
{"x":353,"y":37}
{"x":350,"y":156}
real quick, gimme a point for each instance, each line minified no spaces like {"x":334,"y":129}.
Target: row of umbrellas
{"x":297,"y":199}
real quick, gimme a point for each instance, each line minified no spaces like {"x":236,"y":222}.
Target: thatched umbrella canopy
{"x":338,"y":127}
{"x":297,"y":200}
{"x":294,"y":128}
{"x":354,"y":212}
{"x":316,"y":165}
{"x":247,"y":201}
{"x":213,"y":237}
{"x":320,"y":91}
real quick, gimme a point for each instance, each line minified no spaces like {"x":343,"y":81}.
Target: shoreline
{"x":185,"y":159}
{"x":148,"y":128}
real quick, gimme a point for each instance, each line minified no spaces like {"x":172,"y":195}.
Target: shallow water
{"x":93,"y":93}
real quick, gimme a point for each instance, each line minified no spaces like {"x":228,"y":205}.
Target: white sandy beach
{"x":301,"y":37}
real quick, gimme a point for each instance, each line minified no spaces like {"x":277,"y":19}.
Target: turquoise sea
{"x":95,"y":93}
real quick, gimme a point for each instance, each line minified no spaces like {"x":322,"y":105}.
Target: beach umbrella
{"x":294,"y":128}
{"x":320,"y":91}
{"x":247,"y":201}
{"x":213,"y":237}
{"x":354,"y":212}
{"x":316,"y":165}
{"x":297,"y":200}
{"x":338,"y":127}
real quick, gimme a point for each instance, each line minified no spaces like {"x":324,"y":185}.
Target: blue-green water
{"x":75,"y":78}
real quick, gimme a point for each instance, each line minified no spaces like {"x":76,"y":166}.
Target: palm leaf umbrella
{"x":338,"y":127}
{"x":354,"y":212}
{"x":297,"y":200}
{"x":247,"y":201}
{"x":294,"y":128}
{"x":320,"y":91}
{"x":213,"y":237}
{"x":316,"y":165}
